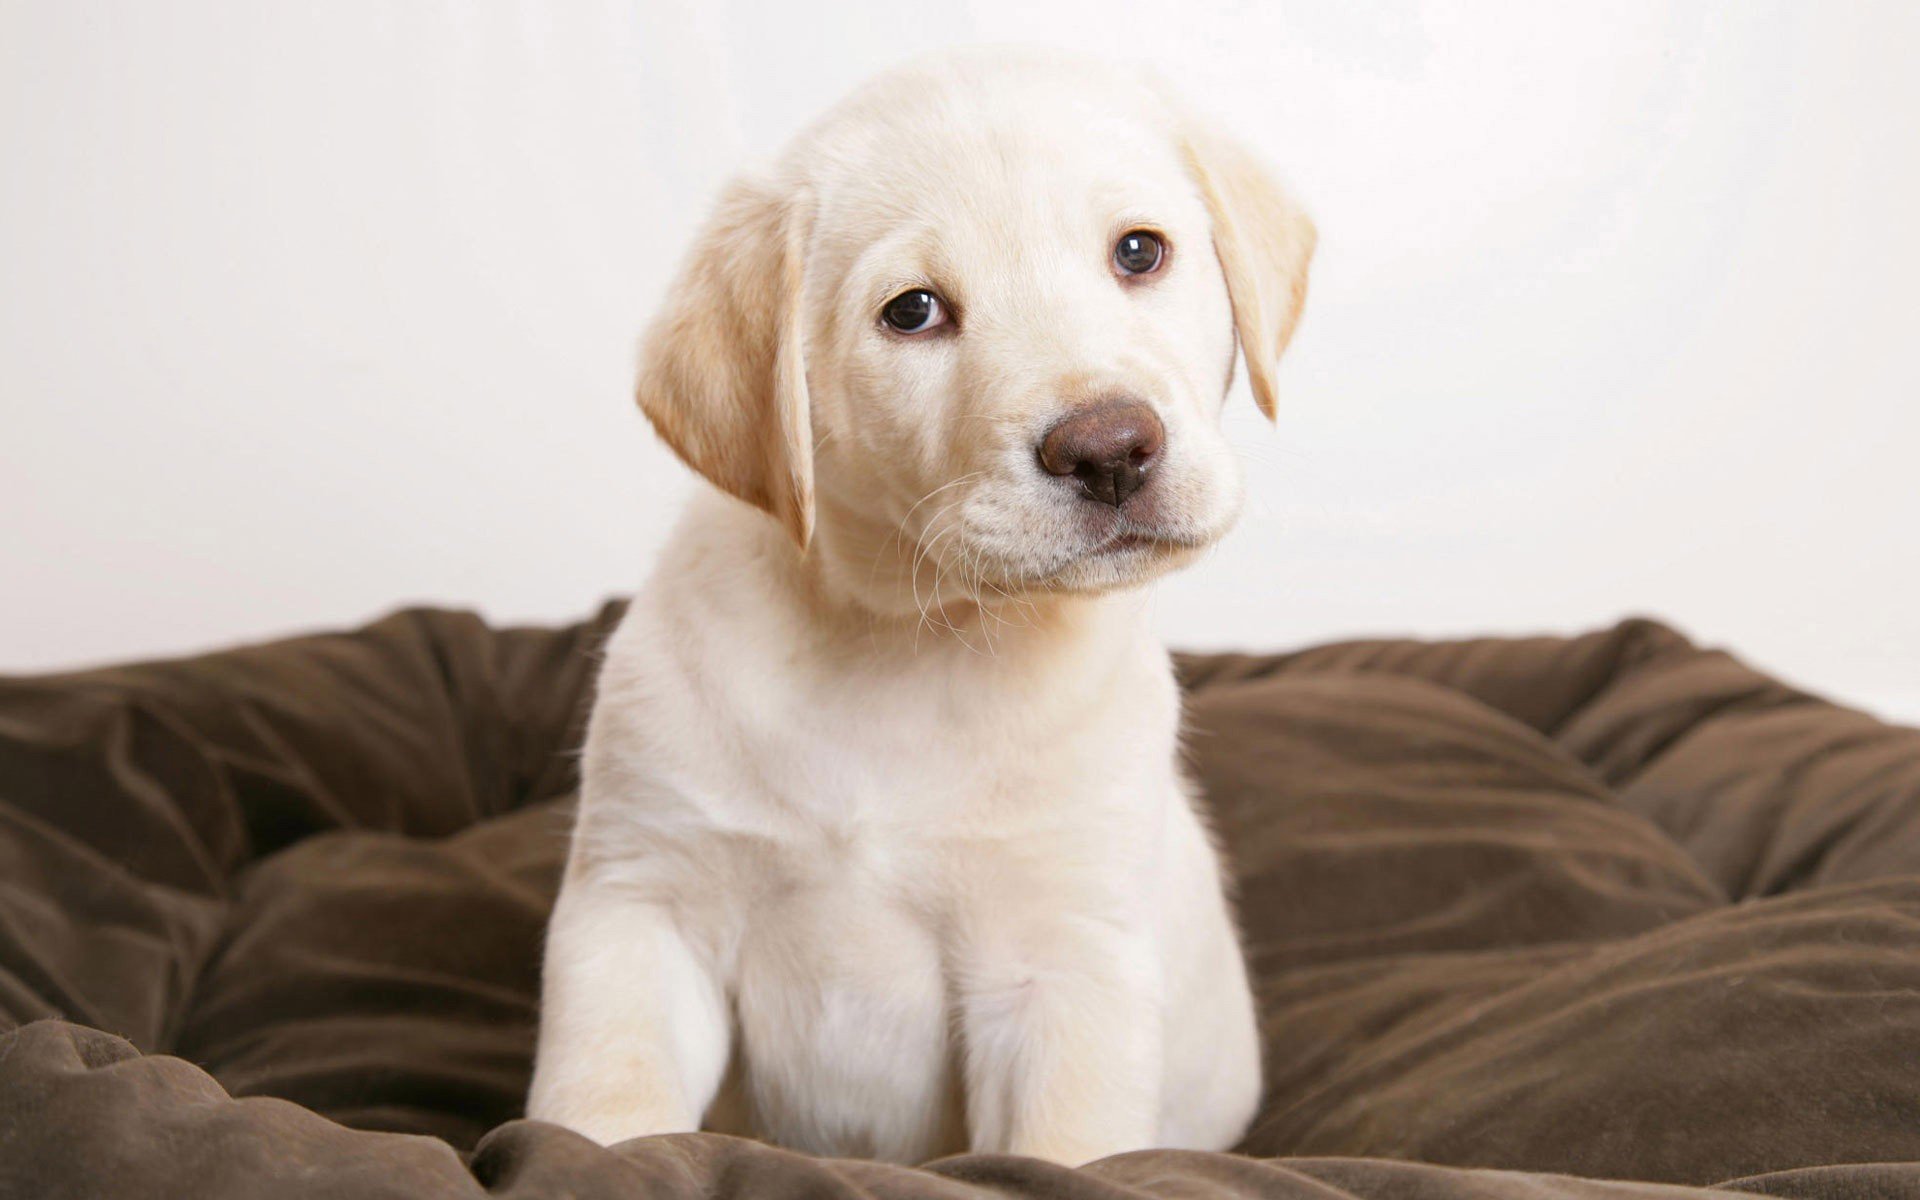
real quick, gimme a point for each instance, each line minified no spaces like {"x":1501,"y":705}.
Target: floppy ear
{"x":722,"y":374}
{"x":1264,"y":242}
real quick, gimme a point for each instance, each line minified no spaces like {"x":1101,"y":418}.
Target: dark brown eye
{"x":914,"y":312}
{"x":1138,"y":253}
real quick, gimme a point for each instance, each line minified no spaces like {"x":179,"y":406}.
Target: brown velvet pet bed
{"x":1608,"y":907}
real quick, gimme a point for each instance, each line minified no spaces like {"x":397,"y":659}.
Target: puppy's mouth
{"x":1130,"y":540}
{"x":1082,"y":551}
{"x":1128,"y":555}
{"x":1123,"y":542}
{"x":1131,"y":547}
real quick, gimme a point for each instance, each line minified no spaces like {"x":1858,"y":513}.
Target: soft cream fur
{"x":883,"y":847}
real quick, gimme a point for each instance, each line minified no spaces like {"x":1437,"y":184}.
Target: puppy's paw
{"x":609,"y":1120}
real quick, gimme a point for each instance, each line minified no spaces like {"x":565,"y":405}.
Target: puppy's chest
{"x":839,"y":989}
{"x":834,"y":818}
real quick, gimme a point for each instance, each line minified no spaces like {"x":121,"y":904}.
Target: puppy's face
{"x":1021,"y":341}
{"x":998,"y":319}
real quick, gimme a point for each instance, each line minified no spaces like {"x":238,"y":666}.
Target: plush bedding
{"x":1524,"y":915}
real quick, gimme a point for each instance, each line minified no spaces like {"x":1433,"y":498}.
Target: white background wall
{"x":310,"y":309}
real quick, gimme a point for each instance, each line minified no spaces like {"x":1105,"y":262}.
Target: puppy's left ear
{"x":1264,"y":242}
{"x":723,"y":376}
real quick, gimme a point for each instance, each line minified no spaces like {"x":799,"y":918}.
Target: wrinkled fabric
{"x":1524,"y":915}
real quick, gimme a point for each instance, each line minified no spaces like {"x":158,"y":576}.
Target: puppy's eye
{"x":1138,"y":253}
{"x":914,"y":312}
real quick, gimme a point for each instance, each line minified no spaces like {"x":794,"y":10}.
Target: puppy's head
{"x":972,"y":336}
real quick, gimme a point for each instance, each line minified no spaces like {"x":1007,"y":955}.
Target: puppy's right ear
{"x":722,"y":374}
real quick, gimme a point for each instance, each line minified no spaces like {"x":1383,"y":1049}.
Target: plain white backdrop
{"x":311,"y":310}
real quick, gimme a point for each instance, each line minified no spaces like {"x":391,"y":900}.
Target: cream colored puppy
{"x":883,"y":847}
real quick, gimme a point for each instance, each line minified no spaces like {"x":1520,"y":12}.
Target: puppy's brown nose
{"x":1109,"y":447}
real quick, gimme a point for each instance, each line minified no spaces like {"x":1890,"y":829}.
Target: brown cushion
{"x":1612,"y":906}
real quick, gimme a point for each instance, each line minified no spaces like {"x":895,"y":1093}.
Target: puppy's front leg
{"x":633,"y":1028}
{"x":1063,"y":1042}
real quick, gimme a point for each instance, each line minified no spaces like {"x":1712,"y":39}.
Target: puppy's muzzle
{"x":1109,"y":448}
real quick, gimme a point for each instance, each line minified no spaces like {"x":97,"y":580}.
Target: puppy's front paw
{"x":1074,"y":1152}
{"x":609,"y":1121}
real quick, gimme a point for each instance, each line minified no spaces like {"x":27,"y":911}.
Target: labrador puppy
{"x":883,"y":846}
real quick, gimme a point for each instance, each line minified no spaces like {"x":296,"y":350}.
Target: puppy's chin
{"x":1116,"y":562}
{"x":1130,"y":562}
